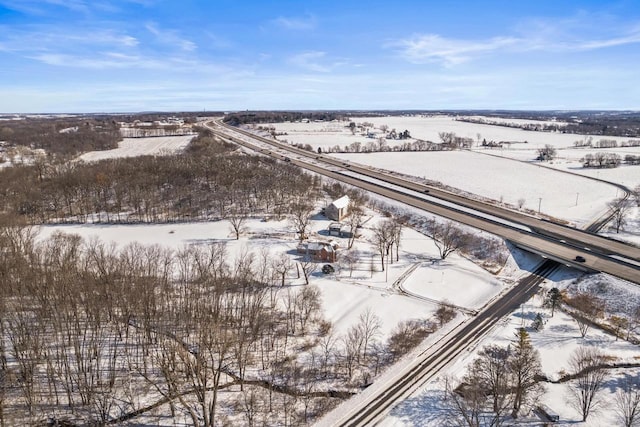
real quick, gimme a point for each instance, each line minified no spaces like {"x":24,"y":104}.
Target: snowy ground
{"x":344,"y":297}
{"x":132,"y":147}
{"x":501,"y":179}
{"x":559,"y":195}
{"x":569,"y":160}
{"x":425,"y":128}
{"x":556,"y":342}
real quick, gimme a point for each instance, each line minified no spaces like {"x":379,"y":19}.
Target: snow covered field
{"x":132,"y":147}
{"x":501,"y":180}
{"x":556,"y":342}
{"x":568,"y":159}
{"x":426,"y":128}
{"x":557,"y":194}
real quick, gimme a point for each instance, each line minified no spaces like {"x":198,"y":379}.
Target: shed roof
{"x":342,"y":202}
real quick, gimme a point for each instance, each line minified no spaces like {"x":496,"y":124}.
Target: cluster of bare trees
{"x":500,"y":383}
{"x":97,"y":334}
{"x":583,"y":123}
{"x":601,"y":160}
{"x":207,"y":182}
{"x":386,"y":236}
{"x":88,"y":329}
{"x":66,"y":136}
{"x":380,"y":145}
{"x":159,"y":130}
{"x":547,"y":153}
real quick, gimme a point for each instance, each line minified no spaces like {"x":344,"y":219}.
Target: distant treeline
{"x":67,"y":136}
{"x":236,"y":119}
{"x":606,"y":125}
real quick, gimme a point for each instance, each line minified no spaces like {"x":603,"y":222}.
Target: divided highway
{"x":555,"y":241}
{"x":559,"y":243}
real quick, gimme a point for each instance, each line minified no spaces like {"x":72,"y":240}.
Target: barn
{"x":319,"y":251}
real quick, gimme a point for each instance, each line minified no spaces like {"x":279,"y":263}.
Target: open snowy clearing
{"x":569,"y":160}
{"x":502,"y":180}
{"x":133,"y":147}
{"x":556,"y":342}
{"x":344,"y":297}
{"x":425,"y":128}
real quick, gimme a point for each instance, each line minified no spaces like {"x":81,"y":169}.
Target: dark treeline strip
{"x":236,"y":119}
{"x":606,"y":125}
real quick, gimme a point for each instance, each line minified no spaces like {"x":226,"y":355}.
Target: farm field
{"x":133,"y":147}
{"x":501,"y":180}
{"x":488,"y":173}
{"x":425,"y":128}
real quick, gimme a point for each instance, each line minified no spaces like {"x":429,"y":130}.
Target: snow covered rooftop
{"x":342,"y":202}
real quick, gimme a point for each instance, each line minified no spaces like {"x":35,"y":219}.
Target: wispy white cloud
{"x":295,"y":23}
{"x":46,"y":38}
{"x":434,"y":48}
{"x":40,"y":7}
{"x":100,"y":61}
{"x":171,"y":38}
{"x":311,"y":61}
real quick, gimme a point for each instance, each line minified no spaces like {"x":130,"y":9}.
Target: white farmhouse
{"x":338,"y":209}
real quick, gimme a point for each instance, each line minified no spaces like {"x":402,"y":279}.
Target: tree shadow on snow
{"x":427,"y":408}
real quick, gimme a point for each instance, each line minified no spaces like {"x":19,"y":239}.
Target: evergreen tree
{"x":524,"y":366}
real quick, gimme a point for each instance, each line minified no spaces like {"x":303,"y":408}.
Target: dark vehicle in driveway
{"x":328,"y":269}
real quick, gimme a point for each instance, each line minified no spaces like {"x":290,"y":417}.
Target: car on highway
{"x":579,"y":258}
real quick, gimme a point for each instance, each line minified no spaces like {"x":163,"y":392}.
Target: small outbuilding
{"x":338,"y":230}
{"x":338,"y":209}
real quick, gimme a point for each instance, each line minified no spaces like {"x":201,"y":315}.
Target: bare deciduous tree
{"x":448,"y":238}
{"x":369,"y":324}
{"x":237,"y":218}
{"x":350,"y":259}
{"x":548,"y":152}
{"x":586,"y":363}
{"x":492,"y":371}
{"x":627,"y":400}
{"x":383,"y":239}
{"x":300,"y":218}
{"x":589,"y":308}
{"x":308,"y":267}
{"x":282,"y":265}
{"x":354,"y":220}
{"x":619,"y":209}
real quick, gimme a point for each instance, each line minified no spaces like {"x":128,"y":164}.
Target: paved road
{"x":370,"y":408}
{"x":555,"y":241}
{"x":363,"y":410}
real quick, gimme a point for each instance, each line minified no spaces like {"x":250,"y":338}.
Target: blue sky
{"x":137,"y":55}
